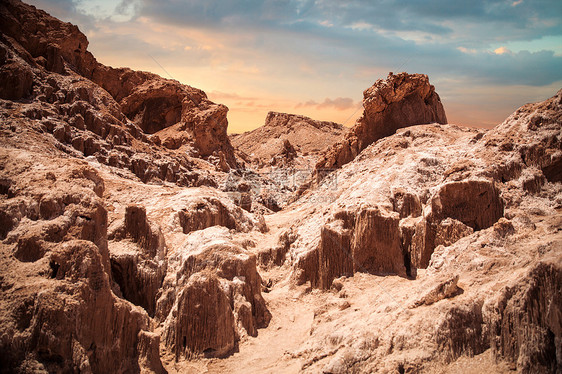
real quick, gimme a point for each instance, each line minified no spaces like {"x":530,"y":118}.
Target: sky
{"x":316,"y":57}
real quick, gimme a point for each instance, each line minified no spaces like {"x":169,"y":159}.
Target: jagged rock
{"x":406,"y":203}
{"x":457,"y":210}
{"x":90,"y":145}
{"x":51,"y":57}
{"x":206,"y":212}
{"x":475,"y":203}
{"x":526,"y":324}
{"x":430,"y":234}
{"x":65,"y":321}
{"x":17,"y":80}
{"x":138,"y":265}
{"x":216,"y":281}
{"x":533,"y":183}
{"x":277,"y":254}
{"x":335,"y":253}
{"x":149,"y":352}
{"x":204,"y":322}
{"x":503,"y":228}
{"x":399,"y":101}
{"x":461,"y":331}
{"x":366,"y":241}
{"x":377,"y":244}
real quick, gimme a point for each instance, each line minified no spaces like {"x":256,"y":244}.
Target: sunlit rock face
{"x":401,"y":100}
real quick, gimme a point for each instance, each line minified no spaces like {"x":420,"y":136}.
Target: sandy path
{"x":267,"y":353}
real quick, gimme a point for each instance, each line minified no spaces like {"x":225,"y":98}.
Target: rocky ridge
{"x":287,"y":140}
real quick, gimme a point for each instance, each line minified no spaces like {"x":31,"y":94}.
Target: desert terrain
{"x":138,"y":236}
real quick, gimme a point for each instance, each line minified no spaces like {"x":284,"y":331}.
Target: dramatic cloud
{"x":292,"y":54}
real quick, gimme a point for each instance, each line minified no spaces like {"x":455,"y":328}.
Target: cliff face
{"x":399,"y":101}
{"x":39,"y":52}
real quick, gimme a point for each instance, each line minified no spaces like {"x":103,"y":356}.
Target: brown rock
{"x":138,"y":267}
{"x":443,"y":290}
{"x":335,"y":253}
{"x":368,"y":241}
{"x":204,"y":322}
{"x":17,"y":80}
{"x":406,"y":203}
{"x":287,"y":140}
{"x":475,"y":203}
{"x":218,"y":288}
{"x":276,"y":255}
{"x":151,"y":102}
{"x":376,"y":244}
{"x":207,"y":212}
{"x":399,"y":101}
{"x":526,"y":327}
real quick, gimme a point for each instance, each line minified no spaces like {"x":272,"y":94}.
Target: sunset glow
{"x":316,"y":57}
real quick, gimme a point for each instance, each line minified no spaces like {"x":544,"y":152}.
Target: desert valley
{"x":137,"y":235}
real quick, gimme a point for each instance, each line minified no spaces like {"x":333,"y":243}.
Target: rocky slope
{"x":454,"y":213}
{"x":115,"y":115}
{"x":125,"y":246}
{"x":86,"y":281}
{"x":287,"y":140}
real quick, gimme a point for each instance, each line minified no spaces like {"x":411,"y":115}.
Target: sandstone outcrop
{"x":59,"y":307}
{"x":401,"y":100}
{"x":211,"y":297}
{"x":472,"y":209}
{"x":206,"y":212}
{"x":110,"y":111}
{"x":364,"y":241}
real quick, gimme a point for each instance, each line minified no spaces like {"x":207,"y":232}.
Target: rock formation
{"x":211,"y":296}
{"x":363,"y":241}
{"x":399,"y":101}
{"x":47,"y":59}
{"x":287,"y":140}
{"x":138,"y":258}
{"x":58,"y":306}
{"x":131,"y":241}
{"x":467,"y":206}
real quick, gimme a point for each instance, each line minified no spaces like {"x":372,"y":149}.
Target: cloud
{"x":502,"y":50}
{"x":219,"y":95}
{"x":339,"y":103}
{"x":294,"y":50}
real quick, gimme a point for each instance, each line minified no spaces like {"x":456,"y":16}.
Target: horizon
{"x":315,"y":58}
